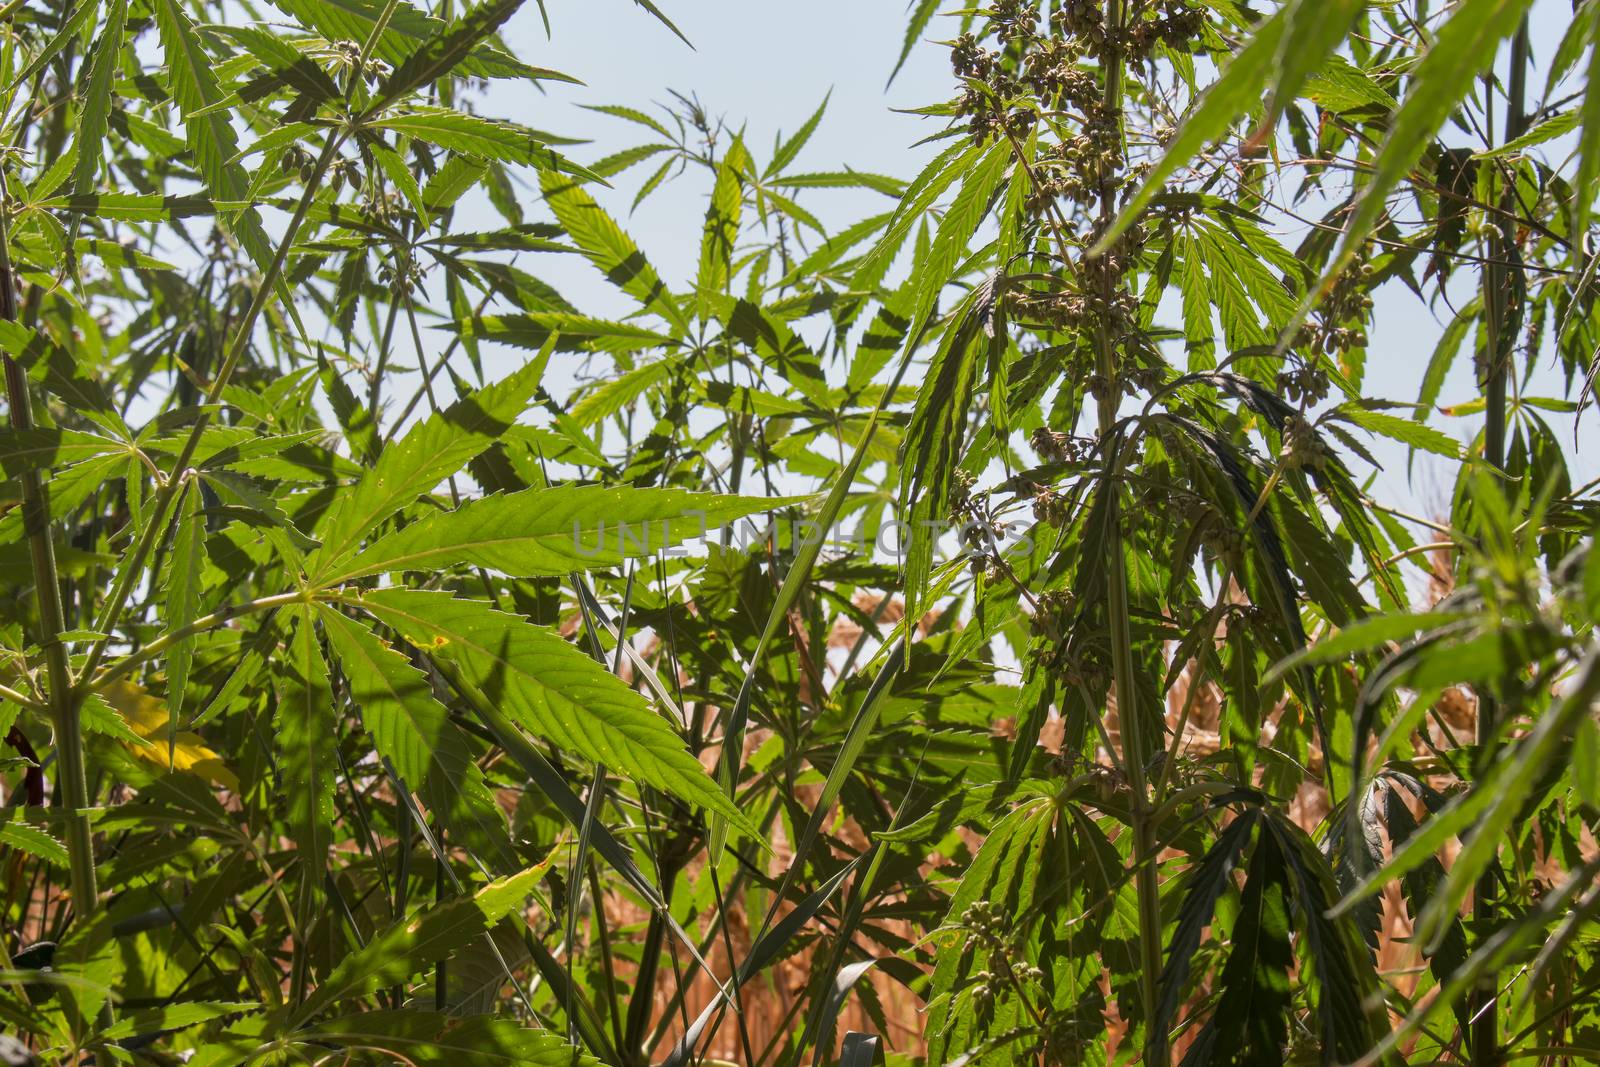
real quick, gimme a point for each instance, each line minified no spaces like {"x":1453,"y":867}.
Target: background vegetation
{"x":1012,"y":656}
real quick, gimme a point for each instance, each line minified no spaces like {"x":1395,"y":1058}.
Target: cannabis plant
{"x":973,"y":634}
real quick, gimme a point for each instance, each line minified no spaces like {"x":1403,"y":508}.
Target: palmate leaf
{"x":421,"y":1037}
{"x":554,"y":531}
{"x":552,"y":690}
{"x":413,"y":944}
{"x":431,"y":451}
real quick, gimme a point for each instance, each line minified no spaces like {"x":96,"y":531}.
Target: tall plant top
{"x":999,"y":629}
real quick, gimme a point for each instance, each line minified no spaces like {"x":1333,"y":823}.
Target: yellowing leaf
{"x":148,"y":717}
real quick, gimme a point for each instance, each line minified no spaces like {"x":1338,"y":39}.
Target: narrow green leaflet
{"x":307,"y":764}
{"x":555,"y":531}
{"x":948,"y":167}
{"x":396,"y":701}
{"x":34,"y":840}
{"x":1205,"y":882}
{"x":933,"y":440}
{"x":609,"y":248}
{"x":45,"y":449}
{"x":444,"y":52}
{"x":568,"y":333}
{"x":416,"y":943}
{"x":1406,"y":431}
{"x":1315,"y":30}
{"x":434,"y":449}
{"x":1557,"y":125}
{"x":65,"y":34}
{"x":960,"y":222}
{"x":97,"y":95}
{"x":1583,"y":183}
{"x":99,"y":717}
{"x":413,"y":731}
{"x":552,"y":690}
{"x":505,"y":142}
{"x":172,"y":1017}
{"x":421,"y":1037}
{"x":135,"y":207}
{"x":193,"y":82}
{"x":1251,"y":1021}
{"x":721,"y":228}
{"x":786,"y":152}
{"x":186,"y":561}
{"x":921,"y":15}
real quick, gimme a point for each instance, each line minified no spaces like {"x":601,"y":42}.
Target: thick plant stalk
{"x":64,"y":703}
{"x":1136,"y":748}
{"x":1501,"y":337}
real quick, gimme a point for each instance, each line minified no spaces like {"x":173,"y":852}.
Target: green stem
{"x":166,"y":493}
{"x":1485,"y":1043}
{"x":205,"y":622}
{"x":17,"y":697}
{"x":63,"y":704}
{"x":1136,"y":747}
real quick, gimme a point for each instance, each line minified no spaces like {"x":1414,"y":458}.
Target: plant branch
{"x":166,"y":493}
{"x":63,"y":705}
